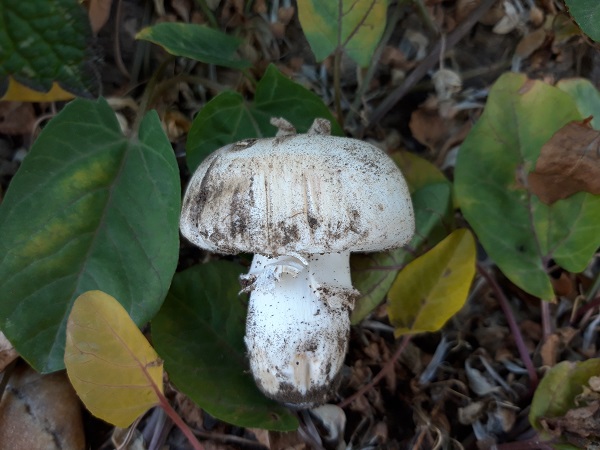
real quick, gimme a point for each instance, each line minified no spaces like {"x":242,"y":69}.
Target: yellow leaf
{"x":20,"y":93}
{"x":114,"y":370}
{"x":433,"y":287}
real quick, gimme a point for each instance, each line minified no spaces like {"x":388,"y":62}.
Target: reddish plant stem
{"x":512,"y":324}
{"x":177,"y":420}
{"x":377,"y":378}
{"x":546,"y":320}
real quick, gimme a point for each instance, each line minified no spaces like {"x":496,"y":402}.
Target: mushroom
{"x":301,"y":203}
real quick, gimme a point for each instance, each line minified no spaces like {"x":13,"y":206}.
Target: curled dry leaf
{"x":510,"y":20}
{"x":582,"y":422}
{"x":568,"y":163}
{"x":447,"y":83}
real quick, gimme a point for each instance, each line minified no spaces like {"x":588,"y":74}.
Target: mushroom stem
{"x":298,"y":324}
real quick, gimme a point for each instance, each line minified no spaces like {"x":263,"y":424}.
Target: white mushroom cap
{"x":300,"y":194}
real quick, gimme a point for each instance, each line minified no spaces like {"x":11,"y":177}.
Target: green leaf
{"x":88,"y":209}
{"x":112,"y":366}
{"x":197,"y":42}
{"x":199,"y":332}
{"x":586,"y":96}
{"x":433,"y":287}
{"x":229,"y":118}
{"x":587,"y":15}
{"x":44,"y":41}
{"x":520,"y":233}
{"x":557,"y":392}
{"x":431,"y":192}
{"x":353,"y":25}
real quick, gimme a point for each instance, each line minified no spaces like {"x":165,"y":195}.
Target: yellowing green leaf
{"x":417,"y":171}
{"x":353,"y":25}
{"x":559,"y":392}
{"x":433,"y":287}
{"x":431,"y":193}
{"x":520,"y":233}
{"x":114,"y":370}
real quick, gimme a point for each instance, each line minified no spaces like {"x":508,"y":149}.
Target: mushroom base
{"x":298,"y":325}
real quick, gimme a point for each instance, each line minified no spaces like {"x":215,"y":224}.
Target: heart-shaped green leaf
{"x":229,"y":118}
{"x":522,"y":234}
{"x":199,"y":332}
{"x":88,"y":209}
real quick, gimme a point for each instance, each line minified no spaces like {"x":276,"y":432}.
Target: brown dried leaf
{"x":568,"y":163}
{"x":16,"y":118}
{"x":555,"y":344}
{"x":549,"y":350}
{"x":429,"y":128}
{"x":583,"y":421}
{"x":98,"y":12}
{"x":530,"y":43}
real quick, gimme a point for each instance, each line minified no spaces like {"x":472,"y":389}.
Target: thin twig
{"x":592,"y":304}
{"x":337,"y":85}
{"x":377,"y":378}
{"x":337,"y":70}
{"x":118,"y":57}
{"x":368,"y":76}
{"x":429,"y":62}
{"x":512,"y":324}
